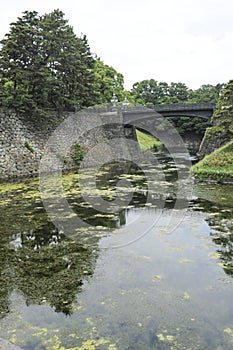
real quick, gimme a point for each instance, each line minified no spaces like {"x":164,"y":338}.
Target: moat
{"x":155,"y":289}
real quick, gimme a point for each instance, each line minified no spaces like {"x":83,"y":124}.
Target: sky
{"x":188,"y":41}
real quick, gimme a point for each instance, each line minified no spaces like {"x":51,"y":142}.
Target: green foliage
{"x":107,"y":81}
{"x":44,"y":65}
{"x":225,"y":104}
{"x":147,"y":141}
{"x":152,"y":92}
{"x":222,"y":120}
{"x":178,"y":93}
{"x":217,"y":165}
{"x":214,"y":131}
{"x":29,"y":147}
{"x":206,"y":93}
{"x":78,"y":153}
{"x":186,"y":124}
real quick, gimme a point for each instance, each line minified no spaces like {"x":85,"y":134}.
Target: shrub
{"x":78,"y":153}
{"x":30,"y":148}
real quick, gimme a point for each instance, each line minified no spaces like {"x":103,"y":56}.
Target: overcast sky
{"x":189,"y":41}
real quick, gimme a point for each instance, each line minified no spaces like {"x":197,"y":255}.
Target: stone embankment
{"x":23,"y":141}
{"x":22,"y":145}
{"x":221,"y":131}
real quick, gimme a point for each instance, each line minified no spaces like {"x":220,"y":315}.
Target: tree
{"x":107,"y":81}
{"x":221,"y":130}
{"x":146,"y":92}
{"x":44,"y":65}
{"x":206,"y":93}
{"x":18,"y":61}
{"x":69,"y":61}
{"x":178,"y":93}
{"x":152,"y":92}
{"x":163,"y":93}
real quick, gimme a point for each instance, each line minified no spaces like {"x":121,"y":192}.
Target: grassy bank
{"x":217,"y":165}
{"x":147,"y":141}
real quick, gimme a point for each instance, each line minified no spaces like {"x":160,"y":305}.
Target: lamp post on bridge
{"x":125,"y":104}
{"x":114,"y":99}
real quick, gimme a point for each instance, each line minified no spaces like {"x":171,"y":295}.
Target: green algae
{"x":51,"y":272}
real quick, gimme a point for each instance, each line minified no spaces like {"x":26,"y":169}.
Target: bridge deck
{"x":201,"y":110}
{"x":185,"y":107}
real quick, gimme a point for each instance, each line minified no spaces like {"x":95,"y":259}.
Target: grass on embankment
{"x":147,"y":141}
{"x":217,"y":165}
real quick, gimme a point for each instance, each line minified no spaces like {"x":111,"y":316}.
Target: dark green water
{"x":166,"y":290}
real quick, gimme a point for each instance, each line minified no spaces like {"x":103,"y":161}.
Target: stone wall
{"x":221,"y":131}
{"x":219,"y":134}
{"x":22,"y":141}
{"x":192,"y":142}
{"x":211,"y":142}
{"x":15,"y":158}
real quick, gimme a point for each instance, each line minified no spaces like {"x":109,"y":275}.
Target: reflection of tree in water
{"x":46,"y":268}
{"x":222,"y":236}
{"x":220,"y":221}
{"x":36,"y":259}
{"x":107,"y":181}
{"x":113,"y":172}
{"x":39,"y":261}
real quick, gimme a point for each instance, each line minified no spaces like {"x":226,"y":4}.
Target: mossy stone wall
{"x":221,"y":131}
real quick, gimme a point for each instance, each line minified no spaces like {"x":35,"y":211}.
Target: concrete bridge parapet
{"x":200,"y":110}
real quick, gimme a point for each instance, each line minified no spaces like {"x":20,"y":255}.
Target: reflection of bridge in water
{"x":200,"y":110}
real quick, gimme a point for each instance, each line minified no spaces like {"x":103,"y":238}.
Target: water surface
{"x":159,"y":290}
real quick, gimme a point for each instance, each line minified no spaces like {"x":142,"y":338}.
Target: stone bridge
{"x":200,"y":110}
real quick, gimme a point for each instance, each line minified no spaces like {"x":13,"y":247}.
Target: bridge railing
{"x":184,"y":107}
